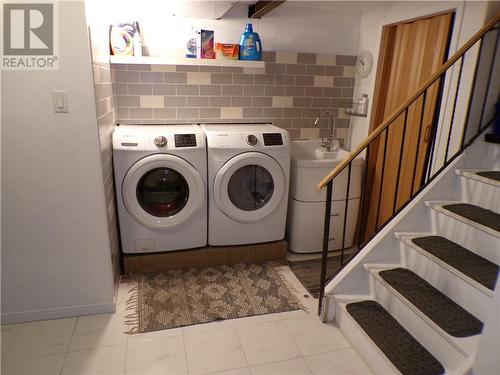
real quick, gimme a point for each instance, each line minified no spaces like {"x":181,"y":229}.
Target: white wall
{"x":313,"y":27}
{"x":56,"y":259}
{"x":469,"y":18}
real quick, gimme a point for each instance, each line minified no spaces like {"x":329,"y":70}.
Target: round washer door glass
{"x":162,"y":192}
{"x":250,"y":187}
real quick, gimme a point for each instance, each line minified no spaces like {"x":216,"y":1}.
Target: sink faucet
{"x":330,"y":143}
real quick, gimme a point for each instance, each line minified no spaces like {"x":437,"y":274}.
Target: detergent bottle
{"x":250,"y":45}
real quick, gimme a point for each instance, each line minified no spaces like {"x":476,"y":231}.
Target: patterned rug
{"x":201,"y":295}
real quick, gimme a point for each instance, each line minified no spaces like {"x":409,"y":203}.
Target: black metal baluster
{"x":345,"y":214}
{"x":326,"y":237}
{"x":400,"y":160}
{"x":454,"y":109}
{"x":488,"y":83}
{"x":362,"y":221}
{"x":382,"y":178}
{"x":422,"y":113}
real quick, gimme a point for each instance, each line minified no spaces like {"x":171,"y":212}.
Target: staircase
{"x":420,"y":295}
{"x":418,"y":303}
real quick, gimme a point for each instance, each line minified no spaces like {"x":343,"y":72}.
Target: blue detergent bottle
{"x":250,"y":45}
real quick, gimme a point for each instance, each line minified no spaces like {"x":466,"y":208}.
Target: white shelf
{"x":184,"y":61}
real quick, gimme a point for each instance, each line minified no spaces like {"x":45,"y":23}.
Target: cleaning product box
{"x":125,"y":39}
{"x":205,"y":44}
{"x":227,"y":51}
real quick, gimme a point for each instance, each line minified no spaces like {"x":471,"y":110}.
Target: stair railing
{"x":483,"y":94}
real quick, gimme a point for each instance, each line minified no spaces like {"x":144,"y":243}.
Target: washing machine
{"x":248,"y":179}
{"x":161,"y":180}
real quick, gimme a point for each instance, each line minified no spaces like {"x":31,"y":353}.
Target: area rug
{"x":200,"y":295}
{"x":309,"y":272}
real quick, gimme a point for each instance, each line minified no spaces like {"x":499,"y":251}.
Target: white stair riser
{"x":473,"y":239}
{"x":447,"y":282}
{"x":366,"y":348}
{"x":444,"y":351}
{"x":480,"y":194}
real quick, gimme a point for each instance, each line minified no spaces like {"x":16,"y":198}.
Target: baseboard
{"x":57,"y":313}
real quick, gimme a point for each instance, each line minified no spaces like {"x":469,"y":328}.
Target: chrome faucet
{"x":330,"y":143}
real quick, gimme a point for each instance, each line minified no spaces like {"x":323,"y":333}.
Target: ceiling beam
{"x":260,"y":8}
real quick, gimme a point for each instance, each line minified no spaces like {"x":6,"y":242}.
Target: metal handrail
{"x":379,"y":129}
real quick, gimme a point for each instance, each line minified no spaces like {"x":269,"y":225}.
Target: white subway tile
{"x":284,"y":57}
{"x":152,"y":101}
{"x":326,"y":59}
{"x":163,"y":68}
{"x":231,"y":112}
{"x":197,"y":78}
{"x":323,"y":81}
{"x":283,"y":101}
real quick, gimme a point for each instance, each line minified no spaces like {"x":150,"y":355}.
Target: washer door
{"x":162,"y":191}
{"x":249,"y":187}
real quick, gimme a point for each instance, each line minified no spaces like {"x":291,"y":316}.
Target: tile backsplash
{"x":289,"y":92}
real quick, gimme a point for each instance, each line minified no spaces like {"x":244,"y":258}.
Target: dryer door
{"x":162,"y":191}
{"x":249,"y":187}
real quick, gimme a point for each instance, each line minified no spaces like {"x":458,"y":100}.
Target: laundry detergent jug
{"x":250,"y":45}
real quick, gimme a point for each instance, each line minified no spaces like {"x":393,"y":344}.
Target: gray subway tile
{"x":306,"y":58}
{"x":141,"y":113}
{"x":310,"y":112}
{"x":282,"y":123}
{"x":122,"y":113}
{"x":252,"y":112}
{"x":295,"y":69}
{"x":262,"y":101}
{"x":304,"y":80}
{"x":140,"y":89}
{"x":163,"y":89}
{"x":139,"y":67}
{"x":187,"y":68}
{"x":211,"y":69}
{"x":302,"y":102}
{"x":294,"y":91}
{"x":343,"y":82}
{"x":244,"y":79}
{"x":119,"y":67}
{"x":209,"y":113}
{"x":188,"y":90}
{"x":275,"y":90}
{"x":241,"y":101}
{"x":220,"y":101}
{"x":347,"y":92}
{"x":274,"y":68}
{"x":128,"y":101}
{"x":341,"y":102}
{"x":269,"y":56}
{"x":175,"y":101}
{"x":314,"y":91}
{"x":292,"y":113}
{"x":264,"y":79}
{"x":120,"y":88}
{"x":273,"y":112}
{"x":332,"y":92}
{"x":284,"y":79}
{"x":253,"y":90}
{"x":294,"y":133}
{"x":151,"y":77}
{"x":320,"y":102}
{"x":197,"y":101}
{"x":346,"y":60}
{"x":221,"y":78}
{"x":103,"y":90}
{"x":341,"y":123}
{"x":126,"y":76}
{"x":162,"y":113}
{"x":301,"y":123}
{"x":232,"y":90}
{"x":188,"y":113}
{"x":170,"y":77}
{"x":315,"y":70}
{"x":210,"y":90}
{"x":232,"y":69}
{"x":334,"y":70}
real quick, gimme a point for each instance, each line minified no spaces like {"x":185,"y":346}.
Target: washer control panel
{"x":161,"y":141}
{"x":185,"y":140}
{"x":272,"y":139}
{"x":251,"y":140}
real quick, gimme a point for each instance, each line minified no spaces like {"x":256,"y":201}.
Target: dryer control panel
{"x":185,"y":140}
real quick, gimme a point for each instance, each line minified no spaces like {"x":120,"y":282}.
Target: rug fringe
{"x":292,"y":288}
{"x":132,"y":305}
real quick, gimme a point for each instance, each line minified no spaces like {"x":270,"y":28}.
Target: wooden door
{"x":413,"y":51}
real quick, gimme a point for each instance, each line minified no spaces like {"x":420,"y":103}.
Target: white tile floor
{"x":278,"y":344}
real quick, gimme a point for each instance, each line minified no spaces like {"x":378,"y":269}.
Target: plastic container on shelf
{"x":250,"y":45}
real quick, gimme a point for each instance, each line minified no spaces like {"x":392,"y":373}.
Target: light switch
{"x":60,"y":99}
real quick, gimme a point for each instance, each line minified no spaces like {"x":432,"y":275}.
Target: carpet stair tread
{"x":397,"y":344}
{"x":449,"y":316}
{"x":470,"y":264}
{"x":492,"y":175}
{"x":478,"y":214}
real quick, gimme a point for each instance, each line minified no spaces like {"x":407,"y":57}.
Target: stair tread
{"x":449,"y":316}
{"x":470,"y":264}
{"x":397,"y":344}
{"x":492,"y":175}
{"x":478,"y":214}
